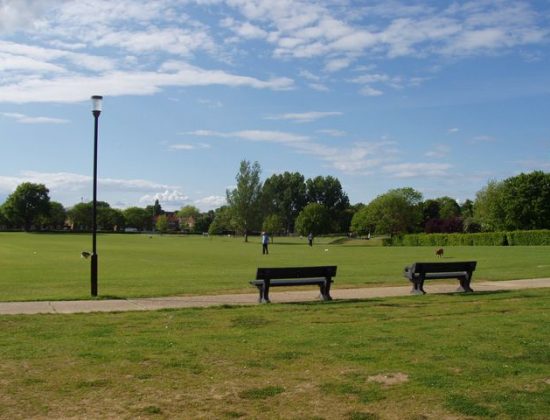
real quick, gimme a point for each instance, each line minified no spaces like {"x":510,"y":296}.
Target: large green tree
{"x":488,"y":206}
{"x":222,"y":221}
{"x":314,"y":218}
{"x":244,"y":201}
{"x":285,"y":195}
{"x":273,"y":224}
{"x":328,"y":191}
{"x":395,"y":212}
{"x":188,"y":216}
{"x":56,"y":216}
{"x":526,"y":201}
{"x":27,"y":205}
{"x":137,"y":217}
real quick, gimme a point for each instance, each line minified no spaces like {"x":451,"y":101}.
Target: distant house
{"x":187,"y":223}
{"x":173,"y":220}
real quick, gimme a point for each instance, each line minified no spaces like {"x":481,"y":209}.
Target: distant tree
{"x":3,"y":219}
{"x":314,"y":218}
{"x":467,"y":208}
{"x":448,"y":208}
{"x":109,"y":218}
{"x":395,"y":212}
{"x":489,"y":206}
{"x":328,"y":192}
{"x":244,"y":201}
{"x":222,"y":221}
{"x":157,"y":209}
{"x":526,"y":201}
{"x":188,"y":216}
{"x":137,"y":217}
{"x":273,"y":224}
{"x":285,"y":195}
{"x":56,"y":216}
{"x":430,"y":209}
{"x":203,"y":221}
{"x":162,"y":223}
{"x":80,"y":216}
{"x":471,"y":225}
{"x":27,"y":204}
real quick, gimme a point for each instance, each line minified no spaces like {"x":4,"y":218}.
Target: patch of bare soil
{"x":389,"y":379}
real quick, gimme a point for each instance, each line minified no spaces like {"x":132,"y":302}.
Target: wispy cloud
{"x":189,"y":146}
{"x":482,"y":139}
{"x":439,"y":151}
{"x":332,"y":132}
{"x":77,"y":88}
{"x":210,"y":202}
{"x":420,"y":169}
{"x":303,"y":117}
{"x":26,"y":119}
{"x":360,"y":157}
{"x":453,"y":130}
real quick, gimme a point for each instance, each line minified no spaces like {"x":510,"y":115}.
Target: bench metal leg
{"x":418,"y":287}
{"x":325,"y":290}
{"x":264,"y":292}
{"x":465,"y":284}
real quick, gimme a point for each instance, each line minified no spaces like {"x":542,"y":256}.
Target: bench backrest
{"x":295,"y":272}
{"x":443,"y":267}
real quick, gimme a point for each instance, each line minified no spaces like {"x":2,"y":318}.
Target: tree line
{"x":289,"y":203}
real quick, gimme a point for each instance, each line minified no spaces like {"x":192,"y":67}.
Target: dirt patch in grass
{"x":389,"y":379}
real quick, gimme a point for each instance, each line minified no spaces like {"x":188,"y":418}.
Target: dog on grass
{"x":439,"y":253}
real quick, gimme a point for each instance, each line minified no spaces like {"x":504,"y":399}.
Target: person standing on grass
{"x":265,"y":243}
{"x":310,"y":239}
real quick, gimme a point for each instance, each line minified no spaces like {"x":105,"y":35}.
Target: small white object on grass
{"x":326,"y":249}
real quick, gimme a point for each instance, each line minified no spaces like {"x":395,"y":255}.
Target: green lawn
{"x":48,"y":266}
{"x":482,"y":355}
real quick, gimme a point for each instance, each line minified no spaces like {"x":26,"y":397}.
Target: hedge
{"x":523,"y":237}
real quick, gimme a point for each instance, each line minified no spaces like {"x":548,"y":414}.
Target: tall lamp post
{"x":96,"y":110}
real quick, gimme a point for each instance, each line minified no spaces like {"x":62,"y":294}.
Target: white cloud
{"x":78,"y":88}
{"x":337,"y":64}
{"x":304,"y":116}
{"x":453,"y":130}
{"x":439,"y":151}
{"x":318,"y":87}
{"x":69,"y":187}
{"x":482,"y":139}
{"x":25,"y":119}
{"x":189,"y":146}
{"x":361,"y":157}
{"x":370,"y":91}
{"x":211,"y":202}
{"x":254,"y":135}
{"x":332,"y":132}
{"x":412,"y":170}
{"x":173,"y":198}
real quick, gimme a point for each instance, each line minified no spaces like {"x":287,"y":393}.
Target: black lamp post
{"x":96,"y":110}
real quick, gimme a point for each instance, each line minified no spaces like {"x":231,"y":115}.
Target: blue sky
{"x":439,"y":96}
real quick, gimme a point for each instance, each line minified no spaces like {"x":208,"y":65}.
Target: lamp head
{"x":96,"y":103}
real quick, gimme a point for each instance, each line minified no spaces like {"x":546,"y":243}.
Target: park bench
{"x":294,"y":276}
{"x":420,"y":271}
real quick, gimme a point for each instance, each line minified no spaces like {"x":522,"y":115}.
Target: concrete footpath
{"x":148,"y":304}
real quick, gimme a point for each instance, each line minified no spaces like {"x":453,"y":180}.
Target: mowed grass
{"x":483,"y":355}
{"x":49,"y":266}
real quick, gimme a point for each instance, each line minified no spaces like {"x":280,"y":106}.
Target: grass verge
{"x":484,"y":355}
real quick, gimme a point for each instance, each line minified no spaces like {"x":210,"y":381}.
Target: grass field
{"x":484,"y":355}
{"x":48,"y":266}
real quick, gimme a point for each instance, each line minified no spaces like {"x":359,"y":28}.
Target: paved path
{"x":146,"y":304}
